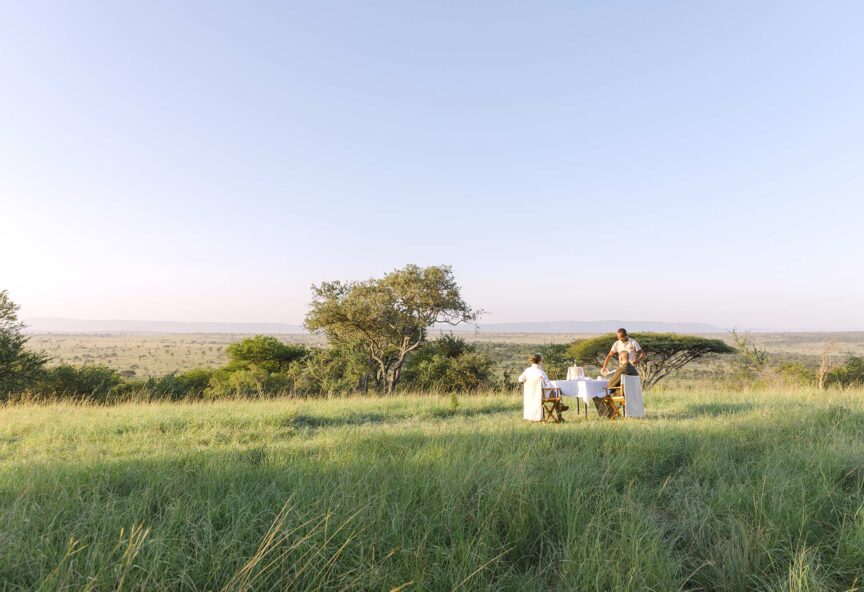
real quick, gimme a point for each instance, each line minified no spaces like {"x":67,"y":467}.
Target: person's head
{"x":622,"y":334}
{"x":535,"y":359}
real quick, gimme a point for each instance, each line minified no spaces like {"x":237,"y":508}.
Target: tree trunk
{"x":392,"y":379}
{"x":396,"y":371}
{"x":383,"y":374}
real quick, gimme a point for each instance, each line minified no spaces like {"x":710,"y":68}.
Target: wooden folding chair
{"x":616,"y":400}
{"x":552,"y":405}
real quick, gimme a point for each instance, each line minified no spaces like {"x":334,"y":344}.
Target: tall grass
{"x":713,"y":491}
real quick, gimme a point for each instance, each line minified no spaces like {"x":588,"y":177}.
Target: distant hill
{"x":60,"y":325}
{"x":595,"y":327}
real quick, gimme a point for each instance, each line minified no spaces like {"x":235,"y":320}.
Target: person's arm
{"x":640,"y":353}
{"x":606,"y":361}
{"x":522,"y":377}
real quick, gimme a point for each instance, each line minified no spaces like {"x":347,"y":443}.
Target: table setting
{"x":581,"y":387}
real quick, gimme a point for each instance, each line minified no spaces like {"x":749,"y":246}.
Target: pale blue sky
{"x":208,"y":161}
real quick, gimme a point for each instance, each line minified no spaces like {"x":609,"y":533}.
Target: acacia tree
{"x":19,"y":367}
{"x":388,"y":317}
{"x":664,"y":352}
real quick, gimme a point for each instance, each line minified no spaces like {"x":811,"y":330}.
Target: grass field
{"x":713,"y":491}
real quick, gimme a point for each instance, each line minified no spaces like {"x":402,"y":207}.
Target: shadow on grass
{"x":716,"y":409}
{"x":308,"y":421}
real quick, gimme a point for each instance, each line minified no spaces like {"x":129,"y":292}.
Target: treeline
{"x":746,"y":365}
{"x":377,"y":334}
{"x":263,"y":366}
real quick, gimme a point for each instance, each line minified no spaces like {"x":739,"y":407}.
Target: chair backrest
{"x":633,"y":393}
{"x":533,"y":399}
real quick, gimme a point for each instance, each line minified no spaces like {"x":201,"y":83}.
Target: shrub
{"x":555,"y":359}
{"x":448,"y":364}
{"x":264,"y":352}
{"x":175,"y":387}
{"x":849,"y":374}
{"x":252,"y":383}
{"x":334,"y":369}
{"x":797,"y":373}
{"x":98,"y":383}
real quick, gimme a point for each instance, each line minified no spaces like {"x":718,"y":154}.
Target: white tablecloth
{"x":584,"y":389}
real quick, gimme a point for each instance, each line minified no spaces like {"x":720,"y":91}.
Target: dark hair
{"x":536,"y":359}
{"x":622,"y":331}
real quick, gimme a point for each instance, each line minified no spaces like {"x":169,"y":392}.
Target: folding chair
{"x":616,"y":398}
{"x":616,"y":401}
{"x":552,"y":405}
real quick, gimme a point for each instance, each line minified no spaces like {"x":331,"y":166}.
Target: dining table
{"x":584,"y":390}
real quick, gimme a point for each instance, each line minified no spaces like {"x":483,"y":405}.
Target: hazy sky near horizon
{"x":209,"y":161}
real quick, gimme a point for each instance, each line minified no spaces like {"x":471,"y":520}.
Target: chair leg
{"x":552,"y":411}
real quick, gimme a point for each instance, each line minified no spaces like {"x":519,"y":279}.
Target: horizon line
{"x":710,"y":327}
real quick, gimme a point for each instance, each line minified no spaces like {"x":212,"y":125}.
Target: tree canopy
{"x":388,"y":317}
{"x":19,"y":367}
{"x":265,"y":352}
{"x":664,"y":352}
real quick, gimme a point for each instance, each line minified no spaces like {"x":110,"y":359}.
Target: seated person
{"x":536,"y":371}
{"x":630,"y":354}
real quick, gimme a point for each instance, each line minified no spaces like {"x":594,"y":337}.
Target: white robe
{"x":535,"y":379}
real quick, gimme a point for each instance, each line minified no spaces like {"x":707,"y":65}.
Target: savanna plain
{"x":714,"y":490}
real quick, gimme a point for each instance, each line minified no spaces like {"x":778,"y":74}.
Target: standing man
{"x":630,"y":355}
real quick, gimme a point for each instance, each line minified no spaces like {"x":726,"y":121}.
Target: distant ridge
{"x":60,"y":325}
{"x":595,"y":327}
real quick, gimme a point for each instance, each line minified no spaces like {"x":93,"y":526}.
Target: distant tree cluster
{"x":262,"y":366}
{"x":848,"y":374}
{"x":377,"y":332}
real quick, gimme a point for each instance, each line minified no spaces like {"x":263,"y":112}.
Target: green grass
{"x":713,"y":491}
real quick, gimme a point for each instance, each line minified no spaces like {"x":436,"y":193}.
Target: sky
{"x":210,"y":161}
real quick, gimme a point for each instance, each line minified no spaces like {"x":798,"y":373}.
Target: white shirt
{"x":535,"y":371}
{"x":631,"y":346}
